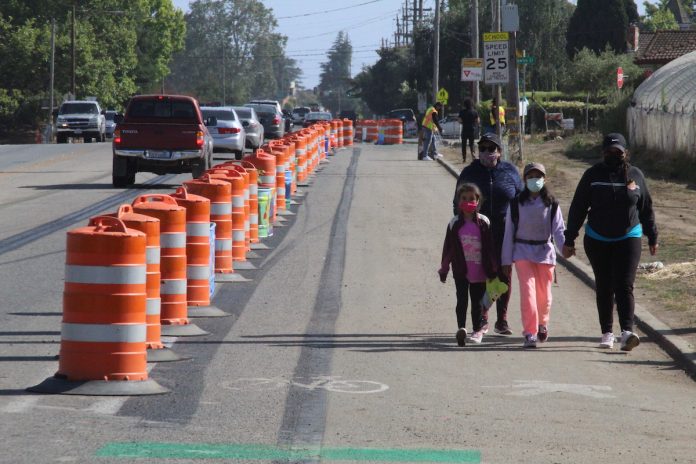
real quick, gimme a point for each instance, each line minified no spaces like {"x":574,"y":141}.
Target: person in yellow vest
{"x":431,"y":125}
{"x":500,"y":112}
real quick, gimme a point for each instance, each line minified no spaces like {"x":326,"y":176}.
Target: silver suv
{"x":80,"y":119}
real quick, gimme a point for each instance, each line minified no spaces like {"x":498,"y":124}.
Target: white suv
{"x":80,"y":119}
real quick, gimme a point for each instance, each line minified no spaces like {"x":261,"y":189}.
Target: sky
{"x":311,"y":36}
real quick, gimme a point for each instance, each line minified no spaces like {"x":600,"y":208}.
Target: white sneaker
{"x":629,"y":340}
{"x":607,"y":341}
{"x":476,"y":337}
{"x":461,"y":337}
{"x":427,"y":158}
{"x":439,"y":155}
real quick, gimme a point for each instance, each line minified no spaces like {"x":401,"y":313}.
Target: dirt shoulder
{"x":667,"y":293}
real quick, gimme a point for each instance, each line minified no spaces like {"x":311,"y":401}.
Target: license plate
{"x":78,"y":131}
{"x":158,"y":154}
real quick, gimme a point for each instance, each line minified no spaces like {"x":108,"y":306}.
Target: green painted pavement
{"x":147,"y":450}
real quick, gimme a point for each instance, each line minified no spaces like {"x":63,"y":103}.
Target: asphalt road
{"x":339,"y":348}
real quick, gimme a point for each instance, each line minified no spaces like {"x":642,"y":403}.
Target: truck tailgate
{"x":153,"y":136}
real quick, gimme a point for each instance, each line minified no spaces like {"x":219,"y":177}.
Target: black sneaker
{"x":542,"y":334}
{"x":461,"y":337}
{"x":502,"y":328}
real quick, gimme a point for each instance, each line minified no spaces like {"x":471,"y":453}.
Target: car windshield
{"x":260,"y":108}
{"x":74,"y":108}
{"x":401,"y":114}
{"x":109,"y":115}
{"x":220,"y":115}
{"x":162,"y":109}
{"x":243,"y":113}
{"x":318,"y":116}
{"x":300,"y":111}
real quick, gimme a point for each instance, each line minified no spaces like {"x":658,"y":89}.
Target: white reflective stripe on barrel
{"x":173,"y":287}
{"x":153,"y":306}
{"x":280,"y":168}
{"x":152,"y":255}
{"x":253,"y":189}
{"x":281,"y":191}
{"x":300,"y":151}
{"x":123,"y":275}
{"x":266,"y":179}
{"x":173,"y":240}
{"x":220,"y":209}
{"x":112,"y":333}
{"x":197,"y":272}
{"x":247,"y":224}
{"x":198,"y":229}
{"x":253,"y":219}
{"x":238,"y":235}
{"x":246,"y":194}
{"x":238,"y":201}
{"x":301,"y":167}
{"x":223,"y":244}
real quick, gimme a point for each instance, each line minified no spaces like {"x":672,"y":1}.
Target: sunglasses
{"x":488,"y":147}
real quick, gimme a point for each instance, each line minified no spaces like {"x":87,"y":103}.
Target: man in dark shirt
{"x":469,"y":119}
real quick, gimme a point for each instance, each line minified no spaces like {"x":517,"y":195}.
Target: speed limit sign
{"x":495,"y":58}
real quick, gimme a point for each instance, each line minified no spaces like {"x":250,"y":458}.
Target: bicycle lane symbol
{"x":331,"y":384}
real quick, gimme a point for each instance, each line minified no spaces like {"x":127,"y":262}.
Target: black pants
{"x":614,"y":265}
{"x":465,"y":289}
{"x":468,"y":140}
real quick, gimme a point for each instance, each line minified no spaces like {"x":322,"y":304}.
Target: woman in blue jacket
{"x":614,"y":197}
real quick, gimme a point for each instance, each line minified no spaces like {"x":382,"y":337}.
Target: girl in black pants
{"x":614,"y":197}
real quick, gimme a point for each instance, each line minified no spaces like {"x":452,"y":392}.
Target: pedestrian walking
{"x":469,"y":120}
{"x":497,"y":112}
{"x":431,"y":125}
{"x":468,"y":249}
{"x":499,"y":182}
{"x":614,"y":197}
{"x":533,"y":231}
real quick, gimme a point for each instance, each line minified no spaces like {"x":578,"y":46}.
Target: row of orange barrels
{"x":146,"y":270}
{"x":382,"y":132}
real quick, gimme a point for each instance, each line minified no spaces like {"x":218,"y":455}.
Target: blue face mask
{"x":535,"y":185}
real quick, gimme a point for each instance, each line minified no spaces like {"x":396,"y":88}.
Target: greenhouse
{"x":662,"y":115}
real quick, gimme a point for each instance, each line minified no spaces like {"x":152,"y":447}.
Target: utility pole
{"x":436,"y":52}
{"x":53,"y":73}
{"x":73,"y":84}
{"x":420,"y":11}
{"x":476,"y":97}
{"x":224,"y":74}
{"x":498,"y":94}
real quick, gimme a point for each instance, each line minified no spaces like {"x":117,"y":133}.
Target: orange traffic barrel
{"x":103,"y":332}
{"x":393,"y":131}
{"x":219,"y":192}
{"x":339,"y":133}
{"x":265,"y":164}
{"x":236,"y":181}
{"x":301,"y":156}
{"x":253,"y":197}
{"x":279,"y":150}
{"x":347,"y":132}
{"x":174,"y":314}
{"x":247,"y":199}
{"x":150,"y":226}
{"x":372,"y":130}
{"x":199,"y":268}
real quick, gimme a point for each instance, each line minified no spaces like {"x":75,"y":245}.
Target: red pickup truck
{"x":162,"y":134}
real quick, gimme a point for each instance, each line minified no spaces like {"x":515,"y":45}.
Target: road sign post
{"x":472,"y":69}
{"x":442,"y":96}
{"x":495,"y":58}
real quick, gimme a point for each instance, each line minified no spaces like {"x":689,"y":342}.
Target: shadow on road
{"x":100,"y":186}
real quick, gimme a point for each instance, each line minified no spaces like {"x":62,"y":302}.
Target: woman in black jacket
{"x":614,"y":197}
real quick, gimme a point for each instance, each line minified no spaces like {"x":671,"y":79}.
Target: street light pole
{"x":53,"y":64}
{"x":73,"y":85}
{"x":436,"y":52}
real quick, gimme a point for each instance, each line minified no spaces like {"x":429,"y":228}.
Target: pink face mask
{"x":468,"y":206}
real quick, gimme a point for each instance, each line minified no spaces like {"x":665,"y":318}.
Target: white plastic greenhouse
{"x":663,"y":112}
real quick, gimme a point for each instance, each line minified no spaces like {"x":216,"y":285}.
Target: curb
{"x":663,"y":335}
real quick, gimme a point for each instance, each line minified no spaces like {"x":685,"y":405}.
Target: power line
{"x":352,"y":26}
{"x":329,"y":11}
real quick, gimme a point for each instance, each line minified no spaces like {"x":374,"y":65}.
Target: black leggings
{"x":476,"y":291}
{"x":468,"y":140}
{"x":614,"y":265}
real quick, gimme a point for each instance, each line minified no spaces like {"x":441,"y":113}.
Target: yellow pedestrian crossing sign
{"x":443,"y":96}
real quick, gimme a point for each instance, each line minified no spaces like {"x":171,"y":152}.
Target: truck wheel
{"x":238,"y":154}
{"x":123,"y":173}
{"x":199,"y":169}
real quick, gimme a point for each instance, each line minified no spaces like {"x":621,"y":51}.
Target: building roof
{"x":665,"y":46}
{"x":670,"y":89}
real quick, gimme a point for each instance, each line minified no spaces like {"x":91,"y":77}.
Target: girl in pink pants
{"x":533,"y":231}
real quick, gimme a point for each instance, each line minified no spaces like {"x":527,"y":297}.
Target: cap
{"x":491,"y":137}
{"x":534,"y":166}
{"x":614,"y":140}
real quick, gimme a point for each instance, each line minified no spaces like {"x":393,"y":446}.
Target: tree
{"x":659,"y":17}
{"x":334,"y":80}
{"x":598,"y":23}
{"x":596,"y":74}
{"x":383,"y":86}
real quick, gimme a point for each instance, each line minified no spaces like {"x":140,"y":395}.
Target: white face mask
{"x":535,"y":184}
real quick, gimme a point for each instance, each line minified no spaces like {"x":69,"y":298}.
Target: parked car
{"x":228,"y":134}
{"x":450,"y":126}
{"x":299,"y":113}
{"x":110,"y":126}
{"x":316,"y":116}
{"x":252,"y":126}
{"x":161,"y":134}
{"x":408,"y":119}
{"x":275,"y":103}
{"x":80,"y":119}
{"x":271,"y":118}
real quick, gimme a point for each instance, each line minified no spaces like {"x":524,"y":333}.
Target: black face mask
{"x":614,"y":160}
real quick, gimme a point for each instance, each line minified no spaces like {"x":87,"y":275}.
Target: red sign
{"x":619,"y":77}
